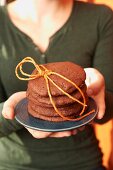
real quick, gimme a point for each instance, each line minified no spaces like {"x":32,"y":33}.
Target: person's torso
{"x":76,"y":42}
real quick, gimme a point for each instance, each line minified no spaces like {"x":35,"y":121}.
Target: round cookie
{"x":48,"y":118}
{"x":58,"y":100}
{"x":39,"y":104}
{"x":73,"y":72}
{"x":68,"y":110}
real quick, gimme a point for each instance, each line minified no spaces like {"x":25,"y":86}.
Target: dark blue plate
{"x":24,"y":118}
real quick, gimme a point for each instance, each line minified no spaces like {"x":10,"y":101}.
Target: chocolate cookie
{"x":39,"y":104}
{"x":68,"y":110}
{"x":73,"y":72}
{"x":58,"y":100}
{"x":48,"y":118}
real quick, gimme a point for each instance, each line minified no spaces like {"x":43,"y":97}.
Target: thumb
{"x":99,"y":98}
{"x":9,"y":105}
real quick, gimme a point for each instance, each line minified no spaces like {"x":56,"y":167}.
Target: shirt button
{"x":43,"y":55}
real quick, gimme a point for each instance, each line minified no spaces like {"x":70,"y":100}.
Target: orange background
{"x":107,"y":2}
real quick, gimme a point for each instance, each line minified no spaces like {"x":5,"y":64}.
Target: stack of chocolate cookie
{"x":39,"y":104}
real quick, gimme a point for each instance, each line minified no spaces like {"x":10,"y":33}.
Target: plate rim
{"x":55,"y":130}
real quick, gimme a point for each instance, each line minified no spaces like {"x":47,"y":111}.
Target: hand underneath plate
{"x":40,"y":134}
{"x":8,"y":113}
{"x":96,"y":89}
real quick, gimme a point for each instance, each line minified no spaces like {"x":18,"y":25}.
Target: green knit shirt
{"x":86,"y":39}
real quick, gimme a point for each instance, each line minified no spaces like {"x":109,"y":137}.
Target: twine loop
{"x":42,"y":71}
{"x":45,"y":73}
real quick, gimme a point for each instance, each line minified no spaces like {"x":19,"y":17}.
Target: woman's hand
{"x":8,"y":113}
{"x":10,"y":103}
{"x":96,"y":89}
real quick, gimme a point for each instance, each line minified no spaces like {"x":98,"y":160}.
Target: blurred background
{"x":104,"y":132}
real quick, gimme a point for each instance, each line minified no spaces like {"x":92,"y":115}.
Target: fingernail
{"x":100,"y":117}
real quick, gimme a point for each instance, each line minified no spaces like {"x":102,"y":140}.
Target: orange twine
{"x":44,"y":72}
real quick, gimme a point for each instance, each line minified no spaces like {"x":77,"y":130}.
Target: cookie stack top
{"x":39,"y":104}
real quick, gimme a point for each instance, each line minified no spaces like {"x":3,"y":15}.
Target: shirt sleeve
{"x":2,"y":95}
{"x":6,"y":126}
{"x":103,"y":58}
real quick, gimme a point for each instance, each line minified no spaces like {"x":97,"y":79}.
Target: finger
{"x":100,"y":101}
{"x":9,"y":105}
{"x":39,"y":134}
{"x":8,"y":111}
{"x":94,"y":89}
{"x":101,"y":109}
{"x":92,"y":122}
{"x":67,"y":133}
{"x":94,"y":81}
{"x":81,"y":128}
{"x":61,"y":134}
{"x":74,"y":131}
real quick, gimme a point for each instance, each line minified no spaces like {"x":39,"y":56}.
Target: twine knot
{"x":45,"y":73}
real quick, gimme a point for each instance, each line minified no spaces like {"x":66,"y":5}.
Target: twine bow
{"x":42,"y":71}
